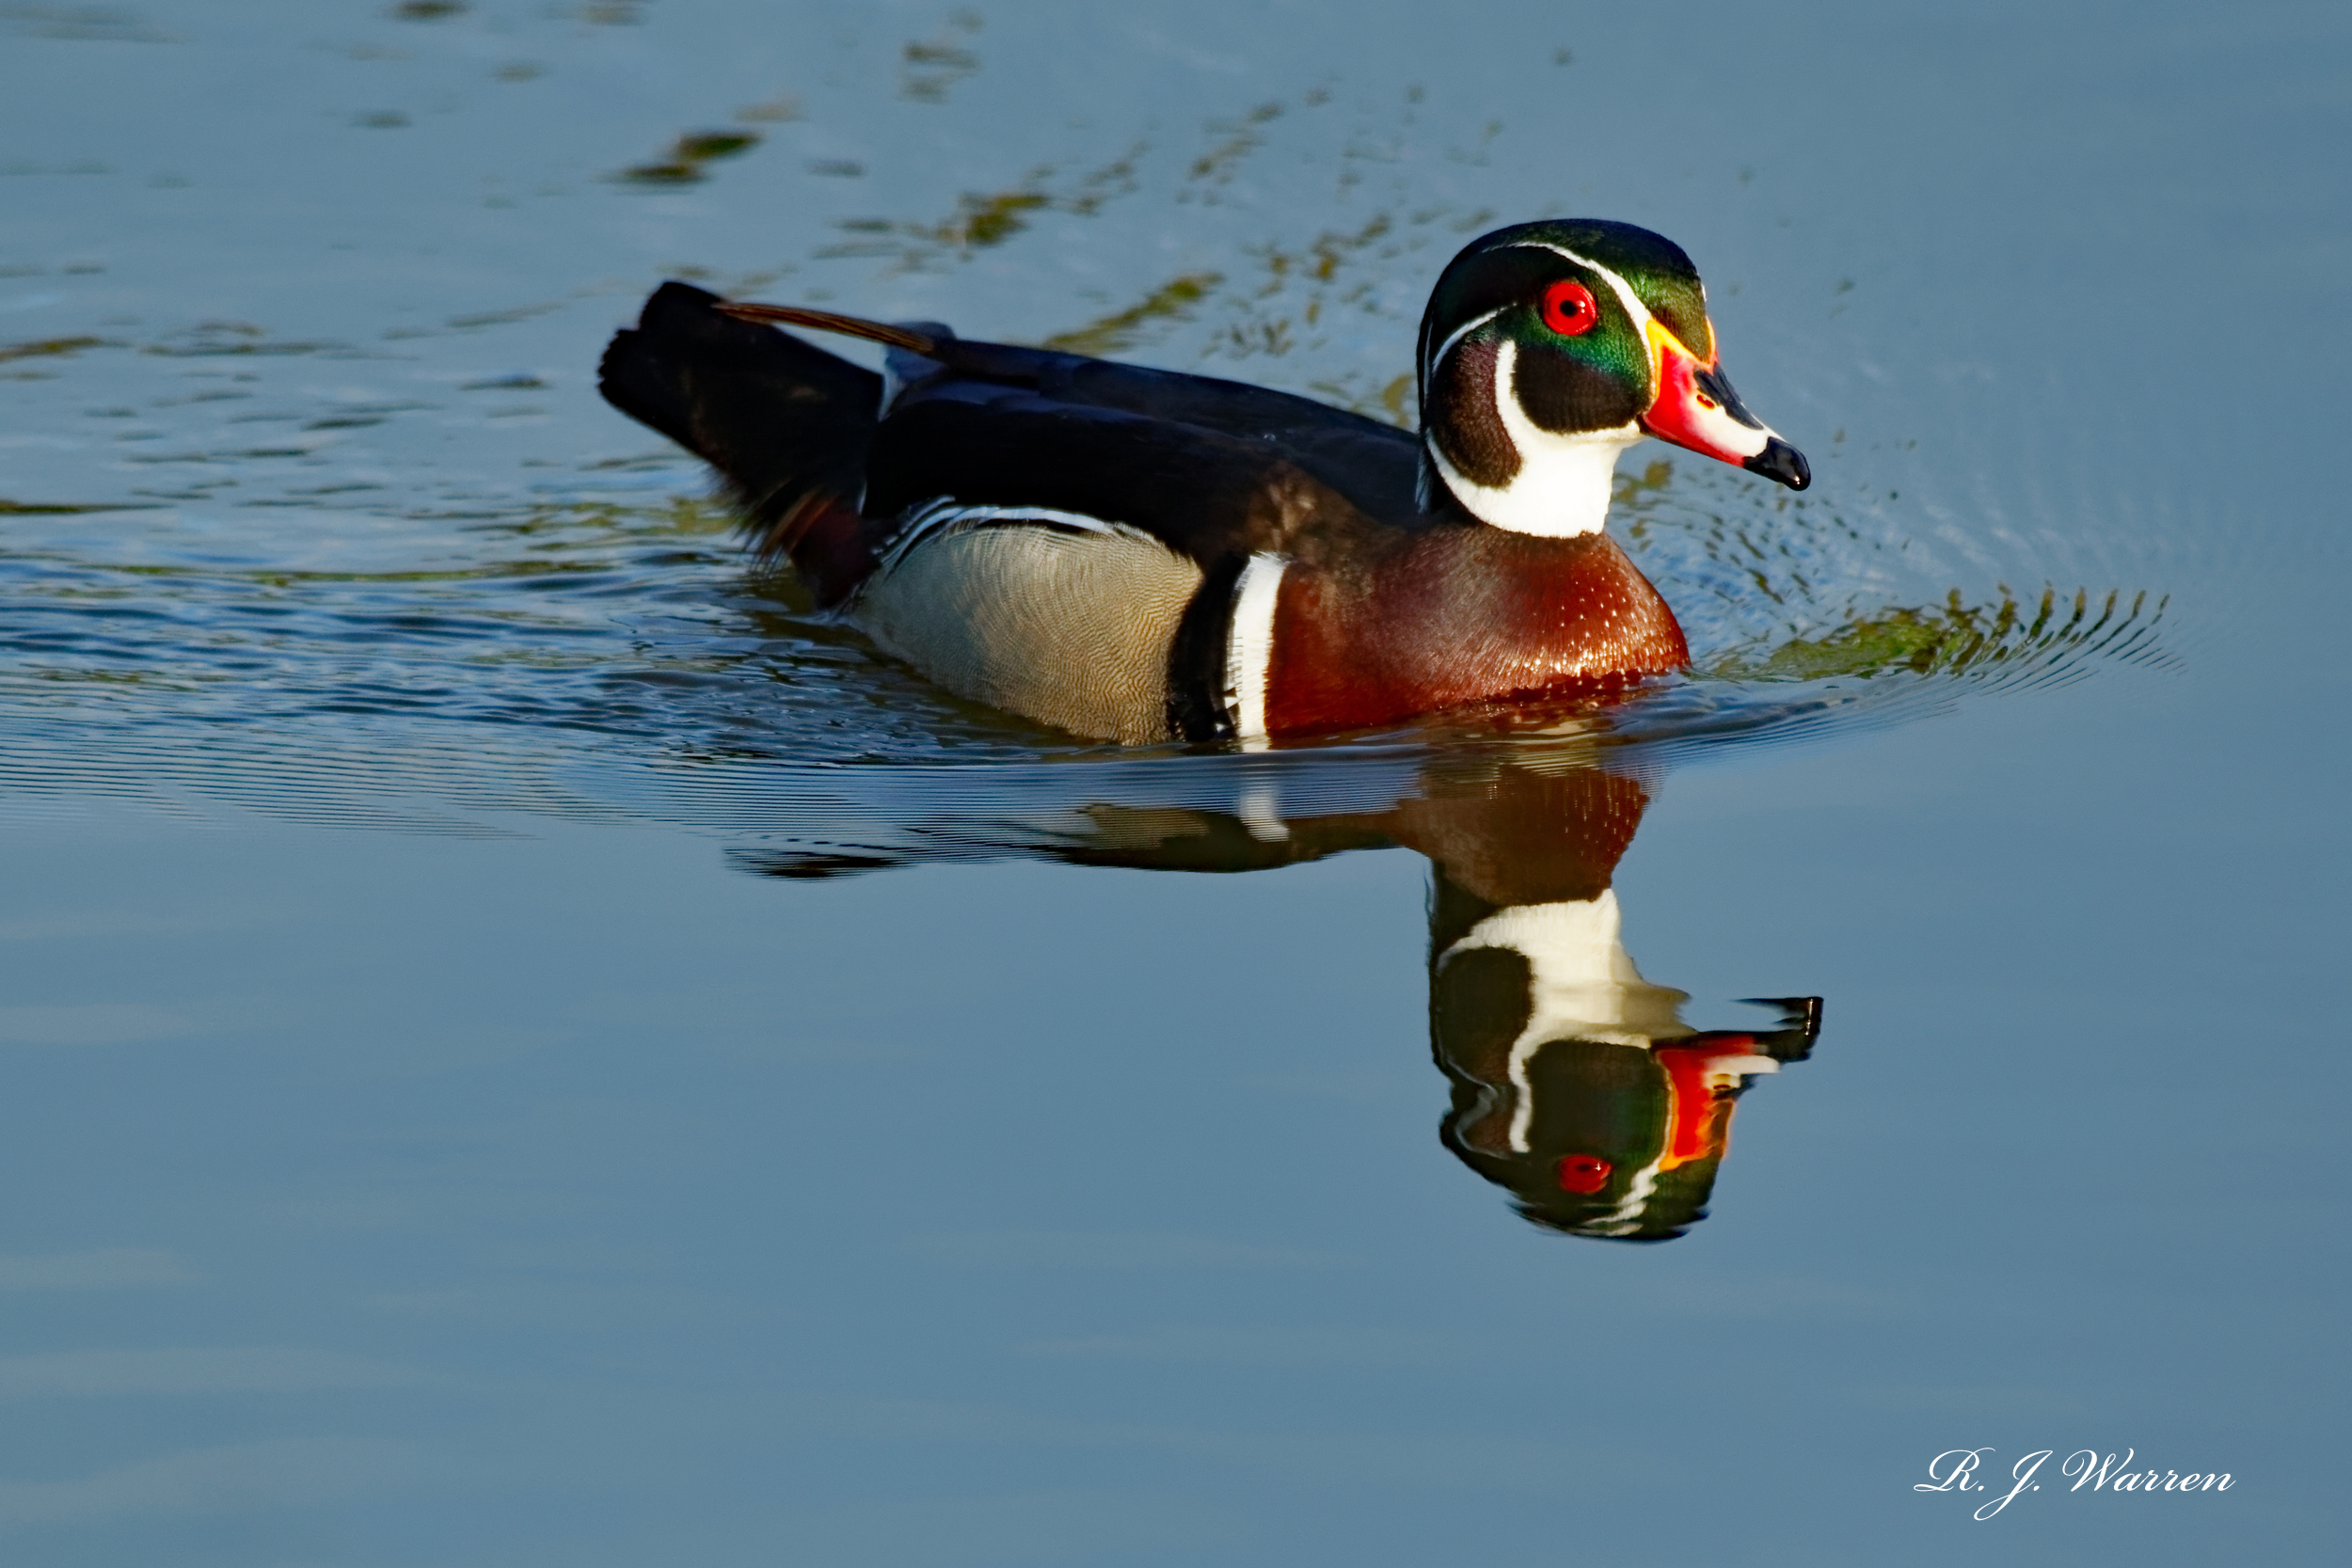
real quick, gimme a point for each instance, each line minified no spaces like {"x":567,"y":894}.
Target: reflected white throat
{"x":1581,"y":986}
{"x":1561,"y":487}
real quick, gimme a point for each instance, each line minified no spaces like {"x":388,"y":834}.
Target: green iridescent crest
{"x":1598,"y":378}
{"x":1657,"y":269}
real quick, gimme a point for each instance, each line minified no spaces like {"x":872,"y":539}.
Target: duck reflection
{"x":1576,"y":1086}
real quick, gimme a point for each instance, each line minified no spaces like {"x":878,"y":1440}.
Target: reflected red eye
{"x":1583,"y":1173}
{"x":1569,"y":309}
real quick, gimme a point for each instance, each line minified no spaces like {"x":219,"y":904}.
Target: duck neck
{"x":1563,"y":492}
{"x":1555,"y":484}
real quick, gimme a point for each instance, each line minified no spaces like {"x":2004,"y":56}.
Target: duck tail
{"x":786,"y":424}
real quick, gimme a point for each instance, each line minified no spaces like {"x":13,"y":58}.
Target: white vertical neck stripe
{"x":1249,"y":647}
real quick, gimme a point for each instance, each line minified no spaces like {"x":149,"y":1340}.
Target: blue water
{"x":524,"y":1044}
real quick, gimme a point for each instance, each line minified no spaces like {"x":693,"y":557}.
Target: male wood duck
{"x":1140,"y":555}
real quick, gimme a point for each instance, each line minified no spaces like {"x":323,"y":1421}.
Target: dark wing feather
{"x":1370,"y":464}
{"x":787,"y":423}
{"x":1205,"y":494}
{"x":1212,"y":468}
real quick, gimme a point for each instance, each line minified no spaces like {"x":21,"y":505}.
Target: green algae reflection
{"x":1958,"y":638}
{"x":686,"y":161}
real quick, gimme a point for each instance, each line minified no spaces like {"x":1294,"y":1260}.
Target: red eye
{"x":1569,"y":309}
{"x":1583,"y":1173}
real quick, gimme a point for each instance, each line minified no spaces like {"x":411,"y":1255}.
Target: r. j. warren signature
{"x":1954,"y":1470}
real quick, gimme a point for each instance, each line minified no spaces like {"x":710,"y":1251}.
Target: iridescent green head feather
{"x":1547,"y":348}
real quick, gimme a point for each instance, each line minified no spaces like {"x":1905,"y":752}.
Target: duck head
{"x":1547,"y":349}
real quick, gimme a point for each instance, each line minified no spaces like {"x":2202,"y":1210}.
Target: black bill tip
{"x":1782,"y":461}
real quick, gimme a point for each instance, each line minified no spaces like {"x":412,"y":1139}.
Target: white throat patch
{"x":1561,"y":487}
{"x":1583,"y":984}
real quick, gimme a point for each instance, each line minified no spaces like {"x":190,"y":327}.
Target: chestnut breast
{"x":1459,"y":615}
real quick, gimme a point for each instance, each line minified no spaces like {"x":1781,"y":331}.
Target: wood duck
{"x":1140,"y":555}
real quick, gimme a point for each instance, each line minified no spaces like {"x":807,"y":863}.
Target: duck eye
{"x":1569,"y":309}
{"x":1583,"y":1173}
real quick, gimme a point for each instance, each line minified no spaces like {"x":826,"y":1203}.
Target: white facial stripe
{"x":1623,"y":291}
{"x":1430,"y":372}
{"x":1461,"y":332}
{"x":1723,"y":1072}
{"x":1249,"y":647}
{"x":1561,"y":489}
{"x":1713,"y":424}
{"x":1625,"y":1218}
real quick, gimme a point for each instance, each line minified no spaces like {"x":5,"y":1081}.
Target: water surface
{"x":526,"y":1044}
